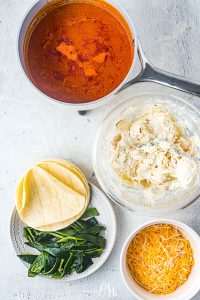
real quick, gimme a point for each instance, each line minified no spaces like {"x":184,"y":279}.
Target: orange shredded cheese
{"x":160,"y":258}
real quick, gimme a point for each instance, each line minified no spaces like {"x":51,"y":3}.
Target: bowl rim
{"x":145,"y":211}
{"x":95,"y":103}
{"x":190,"y":232}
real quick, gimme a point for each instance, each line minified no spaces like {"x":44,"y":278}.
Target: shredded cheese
{"x":160,"y":258}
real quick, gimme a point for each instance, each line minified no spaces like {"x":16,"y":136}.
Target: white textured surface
{"x":32,"y":129}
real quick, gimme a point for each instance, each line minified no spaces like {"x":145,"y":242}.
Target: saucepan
{"x":148,"y":72}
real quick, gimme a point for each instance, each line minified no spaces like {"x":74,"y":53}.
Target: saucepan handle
{"x":149,"y":73}
{"x":177,"y":82}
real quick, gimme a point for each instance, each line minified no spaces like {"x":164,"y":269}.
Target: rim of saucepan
{"x":189,"y":232}
{"x":144,"y":211}
{"x":92,"y":104}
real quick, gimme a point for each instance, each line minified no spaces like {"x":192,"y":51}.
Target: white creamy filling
{"x":153,"y":152}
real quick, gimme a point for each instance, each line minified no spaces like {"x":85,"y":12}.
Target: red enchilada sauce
{"x":79,"y":51}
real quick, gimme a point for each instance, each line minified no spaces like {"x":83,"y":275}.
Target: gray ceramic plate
{"x":106,"y":218}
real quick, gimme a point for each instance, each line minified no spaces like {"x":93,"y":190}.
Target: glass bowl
{"x":131,"y":198}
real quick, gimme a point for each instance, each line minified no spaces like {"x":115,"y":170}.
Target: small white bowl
{"x":184,"y":292}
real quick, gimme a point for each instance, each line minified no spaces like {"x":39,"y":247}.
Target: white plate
{"x":106,"y":217}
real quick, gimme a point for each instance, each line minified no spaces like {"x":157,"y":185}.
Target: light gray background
{"x":32,"y":129}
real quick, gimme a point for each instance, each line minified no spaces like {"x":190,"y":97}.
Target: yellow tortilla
{"x":44,"y":200}
{"x":60,"y":225}
{"x":68,"y":165}
{"x":51,"y":197}
{"x":64,"y":175}
{"x":78,"y":173}
{"x":19,"y":199}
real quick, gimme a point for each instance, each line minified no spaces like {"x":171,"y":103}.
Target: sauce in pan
{"x":79,"y":51}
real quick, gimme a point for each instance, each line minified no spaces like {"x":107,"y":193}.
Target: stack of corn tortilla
{"x":52,"y":195}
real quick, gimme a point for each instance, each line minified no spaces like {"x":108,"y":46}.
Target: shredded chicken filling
{"x":153,"y":151}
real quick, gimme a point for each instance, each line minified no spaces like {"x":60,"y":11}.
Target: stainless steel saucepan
{"x":148,"y":73}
